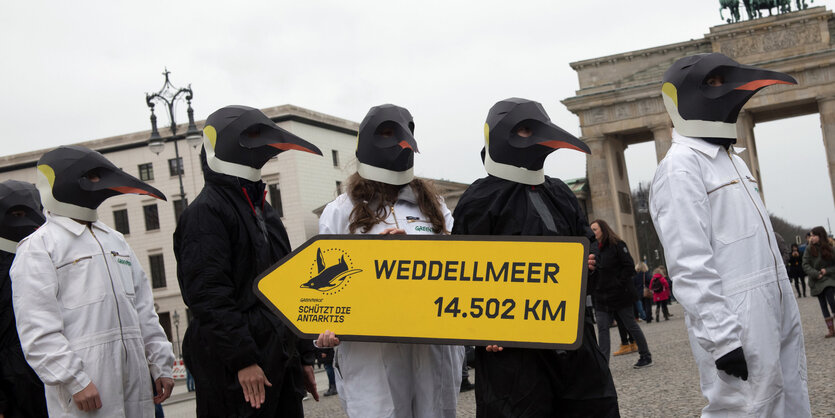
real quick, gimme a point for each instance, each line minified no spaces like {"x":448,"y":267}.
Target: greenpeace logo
{"x":123,"y":261}
{"x":421,"y":228}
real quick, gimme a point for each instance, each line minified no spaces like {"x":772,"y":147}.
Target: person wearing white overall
{"x":392,"y":379}
{"x":741,"y":314}
{"x":84,"y":307}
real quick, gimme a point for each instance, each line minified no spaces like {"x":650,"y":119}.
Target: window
{"x":165,"y":321}
{"x":275,"y":199}
{"x":335,"y":157}
{"x":338,"y":188}
{"x":175,"y":166}
{"x":157,"y":271}
{"x":151,"y":217}
{"x":146,"y":171}
{"x":120,"y":221}
{"x":179,"y":207}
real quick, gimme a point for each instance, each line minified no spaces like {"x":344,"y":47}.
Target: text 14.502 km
{"x":538,"y":310}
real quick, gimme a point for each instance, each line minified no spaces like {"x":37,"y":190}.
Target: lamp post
{"x":177,"y":331}
{"x":169,"y":95}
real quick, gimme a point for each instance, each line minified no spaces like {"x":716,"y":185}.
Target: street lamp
{"x":177,"y":331}
{"x":169,"y":95}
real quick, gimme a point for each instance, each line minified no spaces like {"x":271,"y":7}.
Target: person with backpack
{"x":660,"y":288}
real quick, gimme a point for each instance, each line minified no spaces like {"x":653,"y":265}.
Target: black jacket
{"x":223,"y":241}
{"x":794,"y":267}
{"x":567,"y":383}
{"x":21,"y":391}
{"x":614,"y":288}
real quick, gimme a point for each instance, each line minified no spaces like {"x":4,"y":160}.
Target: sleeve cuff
{"x":243,"y":360}
{"x":77,"y":385}
{"x":725,"y":349}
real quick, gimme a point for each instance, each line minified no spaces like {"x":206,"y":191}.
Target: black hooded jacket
{"x":21,"y":391}
{"x":223,"y":241}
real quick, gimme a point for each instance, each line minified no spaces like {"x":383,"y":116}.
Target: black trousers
{"x":528,"y":383}
{"x":662,"y":305}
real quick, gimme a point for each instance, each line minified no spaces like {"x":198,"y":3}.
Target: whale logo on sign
{"x":330,"y":278}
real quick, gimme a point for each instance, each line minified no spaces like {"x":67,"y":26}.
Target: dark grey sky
{"x":75,"y":71}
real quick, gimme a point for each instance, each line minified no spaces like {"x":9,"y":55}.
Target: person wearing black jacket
{"x":614,"y":292}
{"x":21,"y":391}
{"x":245,"y":362}
{"x":516,"y":198}
{"x":794,"y":267}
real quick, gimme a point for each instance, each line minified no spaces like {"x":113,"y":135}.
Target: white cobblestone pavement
{"x":670,"y":388}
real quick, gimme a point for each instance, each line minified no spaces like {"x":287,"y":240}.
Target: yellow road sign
{"x":476,"y":290}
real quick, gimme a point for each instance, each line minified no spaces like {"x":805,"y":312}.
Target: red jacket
{"x":662,"y":295}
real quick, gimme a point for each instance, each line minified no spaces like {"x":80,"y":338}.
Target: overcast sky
{"x":76,"y":71}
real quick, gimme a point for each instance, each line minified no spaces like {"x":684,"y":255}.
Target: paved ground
{"x":669,"y":388}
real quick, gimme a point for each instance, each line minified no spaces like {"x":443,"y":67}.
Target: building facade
{"x":297,"y":183}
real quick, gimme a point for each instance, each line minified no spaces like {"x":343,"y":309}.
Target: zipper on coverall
{"x":394,"y":215}
{"x":113,"y":288}
{"x":765,"y":226}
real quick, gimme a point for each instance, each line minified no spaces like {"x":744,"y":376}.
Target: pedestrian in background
{"x":795,"y":269}
{"x":819,"y":264}
{"x":646,"y":297}
{"x":641,"y":276}
{"x":660,"y":287}
{"x":325,"y":358}
{"x":614,"y":293}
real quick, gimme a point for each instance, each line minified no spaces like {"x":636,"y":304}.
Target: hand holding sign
{"x":327,"y":339}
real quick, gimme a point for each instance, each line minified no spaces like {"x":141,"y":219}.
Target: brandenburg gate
{"x":619,"y":100}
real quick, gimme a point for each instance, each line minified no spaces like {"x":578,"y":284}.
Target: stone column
{"x":663,"y":137}
{"x":745,"y":139}
{"x":609,"y":186}
{"x":826,"y":107}
{"x":600,"y":184}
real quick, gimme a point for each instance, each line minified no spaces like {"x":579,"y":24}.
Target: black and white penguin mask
{"x":20,"y":208}
{"x":517,"y":158}
{"x":700,"y":110}
{"x":239,"y":140}
{"x":65,"y":182}
{"x":386,"y":145}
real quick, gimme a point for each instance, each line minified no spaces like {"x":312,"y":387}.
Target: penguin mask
{"x":20,"y":208}
{"x":386,"y":145}
{"x":518,"y":135}
{"x":74,"y":180}
{"x":704,"y":93}
{"x":239,"y":140}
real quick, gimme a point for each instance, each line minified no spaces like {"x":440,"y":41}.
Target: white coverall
{"x":85,"y":313}
{"x":393,"y":379}
{"x":730,"y":279}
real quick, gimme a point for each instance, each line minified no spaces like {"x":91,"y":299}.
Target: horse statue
{"x":801,"y":4}
{"x":733,"y":8}
{"x":754,"y":8}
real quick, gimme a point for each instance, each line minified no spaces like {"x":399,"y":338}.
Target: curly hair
{"x":372,"y":198}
